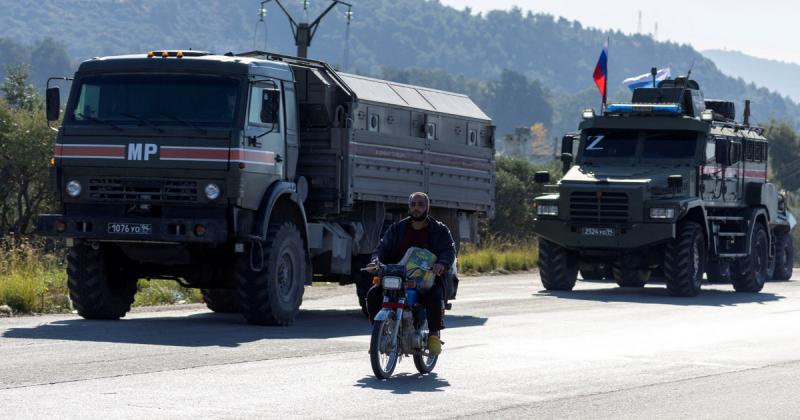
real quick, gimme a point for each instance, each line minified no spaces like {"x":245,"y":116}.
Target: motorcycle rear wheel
{"x":383,"y":363}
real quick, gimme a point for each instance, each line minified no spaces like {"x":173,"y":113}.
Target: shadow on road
{"x":210,"y":329}
{"x":658,"y":295}
{"x":405,"y":383}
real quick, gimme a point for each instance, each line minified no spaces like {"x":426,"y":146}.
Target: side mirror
{"x":53,"y":103}
{"x":566,"y":161}
{"x":541,"y":177}
{"x":566,"y":144}
{"x":270,"y":104}
{"x":723,"y":151}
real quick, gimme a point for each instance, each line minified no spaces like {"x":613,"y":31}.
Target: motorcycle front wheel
{"x":383,"y":355}
{"x":425,"y":362}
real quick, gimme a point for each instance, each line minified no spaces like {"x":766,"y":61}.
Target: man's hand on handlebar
{"x":372,"y":267}
{"x":438,"y":269}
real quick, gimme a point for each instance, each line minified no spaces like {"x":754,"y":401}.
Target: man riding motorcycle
{"x":423,"y":231}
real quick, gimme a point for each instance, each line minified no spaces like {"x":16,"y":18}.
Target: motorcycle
{"x":401,"y":327}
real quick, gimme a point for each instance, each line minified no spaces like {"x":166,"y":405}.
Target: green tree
{"x":25,"y":149}
{"x":784,"y":154}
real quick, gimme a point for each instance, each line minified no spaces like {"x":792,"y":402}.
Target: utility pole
{"x":304,"y":31}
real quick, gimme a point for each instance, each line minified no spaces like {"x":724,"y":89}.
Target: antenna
{"x":655,"y":32}
{"x":639,"y":25}
{"x":304,"y":32}
{"x":345,"y":61}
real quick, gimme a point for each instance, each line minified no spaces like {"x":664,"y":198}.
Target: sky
{"x":764,"y":28}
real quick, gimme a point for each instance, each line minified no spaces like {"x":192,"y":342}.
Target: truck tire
{"x":100,"y":287}
{"x":558,"y":267}
{"x":784,"y":256}
{"x":272,"y":296}
{"x":630,"y":278}
{"x":718,"y":272}
{"x":684,"y":261}
{"x":221,"y":300}
{"x":750,"y":272}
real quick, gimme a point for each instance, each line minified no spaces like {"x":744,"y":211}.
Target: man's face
{"x":418,"y":208}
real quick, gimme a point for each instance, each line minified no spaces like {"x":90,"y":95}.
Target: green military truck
{"x":247,"y":175}
{"x":669,"y":186}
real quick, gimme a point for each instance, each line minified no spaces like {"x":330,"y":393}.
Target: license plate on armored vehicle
{"x":598,"y":231}
{"x":130,"y":228}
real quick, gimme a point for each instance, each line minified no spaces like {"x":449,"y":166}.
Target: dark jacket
{"x":440,"y":242}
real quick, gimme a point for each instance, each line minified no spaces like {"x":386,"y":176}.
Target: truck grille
{"x":139,"y":190}
{"x":590,"y":206}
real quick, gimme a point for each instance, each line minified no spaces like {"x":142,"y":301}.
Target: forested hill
{"x":556,"y":55}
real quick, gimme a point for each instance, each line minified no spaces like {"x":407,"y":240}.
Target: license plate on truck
{"x":598,"y":231}
{"x":130,"y":228}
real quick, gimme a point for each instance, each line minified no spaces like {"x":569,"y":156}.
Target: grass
{"x":34,"y":281}
{"x":497,"y":258}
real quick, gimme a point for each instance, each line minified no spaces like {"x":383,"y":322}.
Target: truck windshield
{"x":669,"y":145}
{"x":157,"y":99}
{"x":610,"y":144}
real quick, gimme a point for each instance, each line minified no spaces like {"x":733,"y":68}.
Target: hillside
{"x":775,"y":75}
{"x":388,"y":36}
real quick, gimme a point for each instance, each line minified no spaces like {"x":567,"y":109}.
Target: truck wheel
{"x":558,"y":267}
{"x":630,"y":278}
{"x":100,"y":287}
{"x":750,"y":272}
{"x":221,"y":300}
{"x":784,"y":256}
{"x":684,"y":261}
{"x":273,"y":295}
{"x":719,"y":272}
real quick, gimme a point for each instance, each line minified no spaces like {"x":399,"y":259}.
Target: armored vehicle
{"x":249,"y":175}
{"x":671,"y":186}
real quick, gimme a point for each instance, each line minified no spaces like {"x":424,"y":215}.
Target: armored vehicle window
{"x":755,"y":151}
{"x":610,"y":144}
{"x":669,"y":145}
{"x":159,"y":99}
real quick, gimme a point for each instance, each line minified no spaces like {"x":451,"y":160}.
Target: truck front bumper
{"x":625,"y":237}
{"x":133,"y":229}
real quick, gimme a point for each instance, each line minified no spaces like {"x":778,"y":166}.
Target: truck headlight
{"x":662,"y":213}
{"x":73,"y":188}
{"x":547,"y":209}
{"x":212,"y":191}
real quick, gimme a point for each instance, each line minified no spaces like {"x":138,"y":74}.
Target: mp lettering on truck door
{"x":141,"y":151}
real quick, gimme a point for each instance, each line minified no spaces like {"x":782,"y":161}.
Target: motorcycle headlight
{"x":212,"y":191}
{"x":548,"y":209}
{"x":73,"y":188}
{"x":391,"y":282}
{"x":662,"y":213}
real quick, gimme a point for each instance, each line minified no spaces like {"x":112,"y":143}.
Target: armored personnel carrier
{"x":668,"y":185}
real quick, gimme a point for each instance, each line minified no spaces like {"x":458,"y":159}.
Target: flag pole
{"x":605,"y":81}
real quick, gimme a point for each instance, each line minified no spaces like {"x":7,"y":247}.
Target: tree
{"x":25,"y":149}
{"x":784,"y":153}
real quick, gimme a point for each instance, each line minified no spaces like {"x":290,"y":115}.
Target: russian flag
{"x":601,"y":71}
{"x":646,"y":80}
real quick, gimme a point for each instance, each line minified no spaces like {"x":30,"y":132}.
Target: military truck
{"x":249,"y":175}
{"x":670,"y":186}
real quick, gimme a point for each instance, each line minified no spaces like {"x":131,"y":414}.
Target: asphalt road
{"x":512,"y":351}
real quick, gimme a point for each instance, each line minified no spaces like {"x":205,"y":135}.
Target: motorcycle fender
{"x":383,"y":314}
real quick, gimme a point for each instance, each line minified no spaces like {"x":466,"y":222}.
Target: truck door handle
{"x":278,"y":158}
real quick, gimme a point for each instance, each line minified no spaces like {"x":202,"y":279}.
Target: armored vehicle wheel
{"x":272,"y":296}
{"x":784,"y":256}
{"x":630,"y":278}
{"x":558,"y":267}
{"x":100,"y":285}
{"x":221,"y":300}
{"x":750,"y":272}
{"x":719,"y":272}
{"x":684,"y":261}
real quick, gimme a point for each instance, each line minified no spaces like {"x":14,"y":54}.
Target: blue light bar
{"x":644,"y":108}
